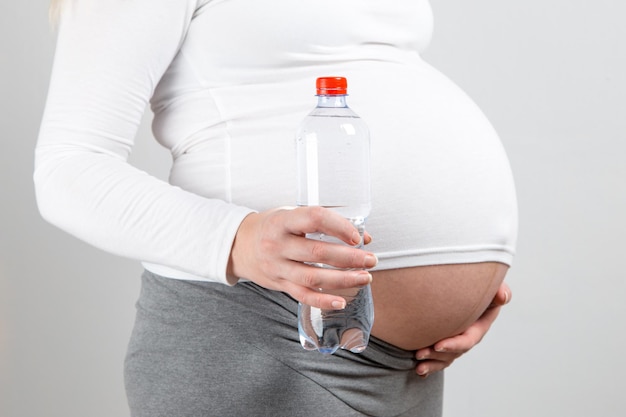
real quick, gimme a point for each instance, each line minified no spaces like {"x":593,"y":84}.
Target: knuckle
{"x":311,"y":279}
{"x":474,"y":338}
{"x":464,"y":350}
{"x":298,"y":294}
{"x":275,"y":221}
{"x":350,"y":281}
{"x":315,"y":300}
{"x":356,"y":258}
{"x":268,"y":244}
{"x":316,"y":215}
{"x":319,"y":251}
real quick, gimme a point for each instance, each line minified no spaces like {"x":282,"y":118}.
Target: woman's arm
{"x":109,"y":59}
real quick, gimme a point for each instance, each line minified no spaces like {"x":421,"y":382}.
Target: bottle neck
{"x":334,"y":100}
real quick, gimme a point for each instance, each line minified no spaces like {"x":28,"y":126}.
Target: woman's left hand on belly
{"x":441,"y":355}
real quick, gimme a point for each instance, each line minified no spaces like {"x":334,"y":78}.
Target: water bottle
{"x":333,"y":158}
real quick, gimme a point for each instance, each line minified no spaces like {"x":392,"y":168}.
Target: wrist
{"x":238,"y":250}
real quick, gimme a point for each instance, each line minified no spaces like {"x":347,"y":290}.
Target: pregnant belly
{"x":416,"y":307}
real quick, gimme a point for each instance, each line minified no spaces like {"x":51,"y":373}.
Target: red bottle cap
{"x":331,"y":86}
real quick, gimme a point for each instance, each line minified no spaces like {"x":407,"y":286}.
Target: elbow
{"x":48,"y":187}
{"x":43,"y":198}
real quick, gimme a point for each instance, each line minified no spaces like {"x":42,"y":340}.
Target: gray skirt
{"x":205,"y":349}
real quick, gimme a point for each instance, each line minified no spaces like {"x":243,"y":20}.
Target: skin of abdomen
{"x":416,"y":307}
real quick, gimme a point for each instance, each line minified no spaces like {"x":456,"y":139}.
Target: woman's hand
{"x":441,"y":355}
{"x":271,"y":249}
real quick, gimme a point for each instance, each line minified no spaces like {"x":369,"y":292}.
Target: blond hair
{"x":55,"y":10}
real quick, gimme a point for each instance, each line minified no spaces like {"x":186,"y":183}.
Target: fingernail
{"x":506,"y":297}
{"x":356,"y":237}
{"x":441,"y":349}
{"x":338,"y":305}
{"x":364,"y":278}
{"x":370,"y":261}
{"x":423,"y":373}
{"x":422,"y":357}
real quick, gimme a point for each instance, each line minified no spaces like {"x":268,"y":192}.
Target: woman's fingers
{"x":319,"y":251}
{"x":327,"y":278}
{"x":303,"y":220}
{"x":271,"y":250}
{"x":503,"y":296}
{"x":428,"y":367}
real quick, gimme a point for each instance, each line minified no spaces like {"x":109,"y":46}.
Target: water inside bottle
{"x":330,"y":330}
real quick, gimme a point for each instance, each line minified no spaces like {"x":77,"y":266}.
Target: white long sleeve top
{"x":228,"y":82}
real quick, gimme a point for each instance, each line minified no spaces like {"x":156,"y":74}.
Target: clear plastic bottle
{"x":333,"y":155}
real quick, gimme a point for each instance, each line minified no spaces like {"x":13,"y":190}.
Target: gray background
{"x":549,"y":75}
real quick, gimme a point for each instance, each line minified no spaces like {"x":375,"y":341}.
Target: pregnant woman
{"x":228,"y":82}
